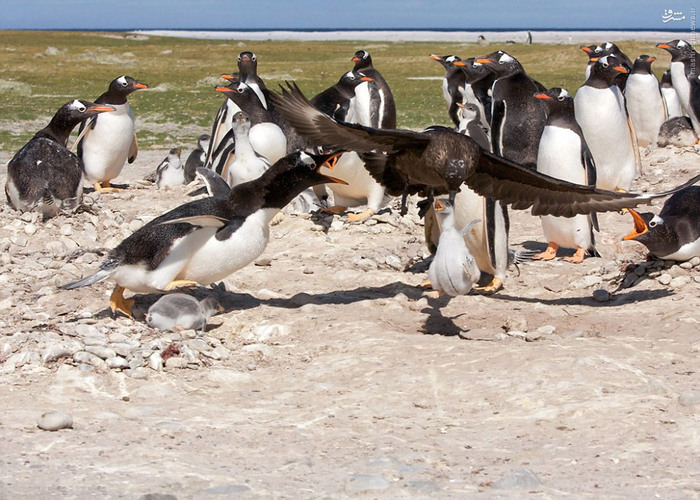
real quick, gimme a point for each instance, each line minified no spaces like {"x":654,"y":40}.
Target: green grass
{"x":42,"y":70}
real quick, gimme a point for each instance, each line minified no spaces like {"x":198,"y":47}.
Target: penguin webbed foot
{"x":117,"y":302}
{"x":173,"y":285}
{"x":495,"y":285}
{"x":577,"y":257}
{"x":549,"y":254}
{"x":362,"y":216}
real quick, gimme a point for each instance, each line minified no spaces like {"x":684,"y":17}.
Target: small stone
{"x":55,"y":352}
{"x":366,"y":264}
{"x":547,"y":329}
{"x":695,"y":261}
{"x":601,"y":295}
{"x":87,"y":358}
{"x":19,"y":240}
{"x":66,"y":230}
{"x":515,"y":323}
{"x":679,"y":281}
{"x":54,"y":420}
{"x":665,"y":279}
{"x":100,"y":351}
{"x":523,"y":479}
{"x":135,"y":225}
{"x":30,"y":229}
{"x":689,"y":398}
{"x":394,"y":262}
{"x":685,"y":265}
{"x":308,"y":270}
{"x":155,"y":361}
{"x":117,"y":362}
{"x":176,"y":362}
{"x":139,"y":373}
{"x":263,"y":262}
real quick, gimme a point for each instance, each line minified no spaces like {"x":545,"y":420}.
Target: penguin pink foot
{"x":549,"y":254}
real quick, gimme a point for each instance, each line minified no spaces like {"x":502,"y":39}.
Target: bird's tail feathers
{"x":94,"y":278}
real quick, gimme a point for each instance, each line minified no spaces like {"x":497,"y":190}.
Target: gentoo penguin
{"x":247,"y":164}
{"x":214,"y":184}
{"x":196,"y":157}
{"x":610,"y":49}
{"x":335,"y":100}
{"x":171,"y":171}
{"x":106,"y":142}
{"x":673,"y":104}
{"x":563,"y":154}
{"x":592,"y":57}
{"x":248,"y":73}
{"x":684,"y":68}
{"x":453,"y":270}
{"x":601,"y":113}
{"x":517,"y":120}
{"x":221,"y":141}
{"x":470,"y":124}
{"x":205,"y":240}
{"x":645,"y":105}
{"x":677,"y":132}
{"x":477,"y":88}
{"x":674,"y":234}
{"x":376,"y":96}
{"x":179,"y":311}
{"x":44,"y":174}
{"x":441,"y":160}
{"x":453,"y":83}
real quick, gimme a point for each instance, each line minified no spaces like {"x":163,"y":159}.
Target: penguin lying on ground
{"x":453,"y":270}
{"x":106,"y":142}
{"x":205,"y":240}
{"x":674,"y":234}
{"x":178,"y":311}
{"x":44,"y":174}
{"x":441,"y":160}
{"x":677,"y":131}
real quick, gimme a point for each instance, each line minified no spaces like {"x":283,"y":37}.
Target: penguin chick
{"x":197,"y":157}
{"x":453,"y":270}
{"x":44,"y":171}
{"x":674,"y":234}
{"x":178,"y":311}
{"x":170,"y":173}
{"x":677,"y":131}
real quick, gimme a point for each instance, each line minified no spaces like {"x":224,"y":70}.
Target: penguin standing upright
{"x":106,"y":142}
{"x":563,"y":154}
{"x":592,"y":58}
{"x":517,"y":120}
{"x":674,"y":234}
{"x":673,"y":104}
{"x":645,"y":104}
{"x":248,"y":74}
{"x":221,"y":134}
{"x":684,"y":69}
{"x":44,"y":174}
{"x":477,"y":89}
{"x":205,"y":240}
{"x":335,"y":100}
{"x":171,"y":172}
{"x":196,"y":157}
{"x":470,"y":124}
{"x":376,"y":96}
{"x":453,"y":83}
{"x":600,"y":111}
{"x":247,"y":164}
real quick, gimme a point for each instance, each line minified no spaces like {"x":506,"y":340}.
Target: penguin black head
{"x":651,"y":231}
{"x":351,"y":79}
{"x":176,"y":151}
{"x":607,"y":68}
{"x":556,"y":98}
{"x":293,"y":173}
{"x":448,"y":61}
{"x":362,"y":60}
{"x":69,"y":115}
{"x":666,"y":79}
{"x":589,"y":50}
{"x":500,"y":63}
{"x":468,"y":111}
{"x":240,"y":93}
{"x":643,"y":64}
{"x":680,"y":50}
{"x":203,"y":141}
{"x":124,"y":85}
{"x":232,"y":77}
{"x":247,"y":64}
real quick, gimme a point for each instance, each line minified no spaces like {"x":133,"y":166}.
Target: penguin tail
{"x":49,"y":207}
{"x":94,"y":278}
{"x":516,"y":257}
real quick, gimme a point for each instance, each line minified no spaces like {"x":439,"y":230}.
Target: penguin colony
{"x":515,"y":143}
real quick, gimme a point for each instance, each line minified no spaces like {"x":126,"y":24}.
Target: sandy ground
{"x":360,"y":384}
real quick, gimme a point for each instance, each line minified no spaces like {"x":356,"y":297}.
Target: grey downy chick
{"x":453,"y":270}
{"x":178,"y":311}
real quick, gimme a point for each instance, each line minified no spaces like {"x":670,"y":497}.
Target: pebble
{"x":30,"y":229}
{"x":394,"y":262}
{"x":54,"y":420}
{"x":665,"y":279}
{"x":678,"y":281}
{"x":601,"y":295}
{"x":522,"y":479}
{"x":117,"y":363}
{"x":515,"y":323}
{"x":87,"y":358}
{"x":689,"y":398}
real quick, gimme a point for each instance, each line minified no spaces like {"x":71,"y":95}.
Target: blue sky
{"x":350,"y":14}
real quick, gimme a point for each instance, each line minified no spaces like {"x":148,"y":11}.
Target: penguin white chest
{"x":360,"y":106}
{"x":171,"y":177}
{"x":559,"y":155}
{"x":106,"y":146}
{"x":682,"y":86}
{"x":645,"y":107}
{"x":453,"y":270}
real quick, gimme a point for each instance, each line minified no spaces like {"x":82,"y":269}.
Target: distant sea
{"x":457,"y":36}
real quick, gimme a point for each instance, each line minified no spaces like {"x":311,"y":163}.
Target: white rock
{"x":54,"y":420}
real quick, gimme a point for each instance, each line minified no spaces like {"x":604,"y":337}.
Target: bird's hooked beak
{"x":330,"y":163}
{"x":640,"y":227}
{"x":438,"y":206}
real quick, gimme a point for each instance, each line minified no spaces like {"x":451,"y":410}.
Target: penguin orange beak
{"x":652,"y":58}
{"x":483,"y":61}
{"x":594,"y":59}
{"x":663,"y":45}
{"x":103,"y":109}
{"x":542,"y":96}
{"x":620,"y":69}
{"x":435,"y":57}
{"x":586,"y":49}
{"x":366,"y":79}
{"x":438,"y":206}
{"x":228,"y":76}
{"x":640,"y":227}
{"x":330,"y":163}
{"x":460,"y":63}
{"x":355,"y":59}
{"x":223,"y":89}
{"x":140,"y":86}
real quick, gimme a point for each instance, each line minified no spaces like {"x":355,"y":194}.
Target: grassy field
{"x":42,"y":70}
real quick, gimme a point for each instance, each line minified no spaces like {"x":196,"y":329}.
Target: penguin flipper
{"x":199,"y":220}
{"x":214,"y":183}
{"x":133,"y":150}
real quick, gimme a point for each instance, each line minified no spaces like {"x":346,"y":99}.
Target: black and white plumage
{"x":221,"y":137}
{"x":517,"y":120}
{"x":477,"y":88}
{"x":645,"y":104}
{"x":179,"y":311}
{"x":453,"y":270}
{"x":205,"y":240}
{"x":197,"y":157}
{"x":246,"y":164}
{"x":335,"y":100}
{"x":441,"y":160}
{"x":469,"y":124}
{"x":673,"y":104}
{"x":677,"y":131}
{"x":563,"y":154}
{"x":106,"y":142}
{"x":673,"y":234}
{"x":684,"y":74}
{"x":453,"y":83}
{"x":171,"y":172}
{"x":374,"y":101}
{"x":214,"y":184}
{"x":44,"y":174}
{"x":602,"y":114}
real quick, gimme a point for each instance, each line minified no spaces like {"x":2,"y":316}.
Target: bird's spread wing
{"x":323,"y":130}
{"x":510,"y":183}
